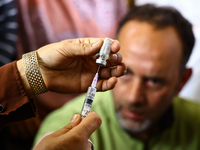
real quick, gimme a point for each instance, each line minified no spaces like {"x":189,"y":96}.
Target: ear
{"x":185,"y":77}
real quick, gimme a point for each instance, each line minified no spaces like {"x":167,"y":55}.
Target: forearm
{"x":13,"y":98}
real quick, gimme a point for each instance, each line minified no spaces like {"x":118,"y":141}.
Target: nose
{"x":136,"y":95}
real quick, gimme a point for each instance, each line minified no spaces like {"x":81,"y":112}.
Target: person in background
{"x":143,"y":111}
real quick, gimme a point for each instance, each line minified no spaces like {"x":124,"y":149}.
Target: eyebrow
{"x":147,"y":77}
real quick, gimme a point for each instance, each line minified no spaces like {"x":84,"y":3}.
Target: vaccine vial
{"x":104,"y":52}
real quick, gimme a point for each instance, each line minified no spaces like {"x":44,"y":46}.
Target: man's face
{"x":153,"y":59}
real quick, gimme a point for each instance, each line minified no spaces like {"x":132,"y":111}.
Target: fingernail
{"x":114,"y":57}
{"x":74,"y":118}
{"x":95,"y":43}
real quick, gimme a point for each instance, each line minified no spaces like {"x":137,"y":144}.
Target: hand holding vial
{"x":73,"y":62}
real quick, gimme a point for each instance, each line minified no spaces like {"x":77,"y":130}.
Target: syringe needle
{"x":98,"y":68}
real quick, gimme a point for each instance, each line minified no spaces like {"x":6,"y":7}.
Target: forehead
{"x":154,"y":50}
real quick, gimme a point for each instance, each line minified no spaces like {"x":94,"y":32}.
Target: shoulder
{"x":190,"y":106}
{"x":187,"y":111}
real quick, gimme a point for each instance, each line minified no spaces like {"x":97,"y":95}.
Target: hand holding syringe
{"x":101,"y":61}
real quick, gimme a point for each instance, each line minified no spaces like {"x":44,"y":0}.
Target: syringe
{"x":89,"y":96}
{"x":101,"y":61}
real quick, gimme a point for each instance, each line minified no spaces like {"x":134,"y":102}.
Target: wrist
{"x":23,"y":79}
{"x":33,"y":74}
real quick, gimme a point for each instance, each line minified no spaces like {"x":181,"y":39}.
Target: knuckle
{"x":84,"y":47}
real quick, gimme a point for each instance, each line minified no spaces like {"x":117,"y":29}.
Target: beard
{"x":133,"y":126}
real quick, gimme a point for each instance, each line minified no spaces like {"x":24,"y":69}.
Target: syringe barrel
{"x":88,"y":101}
{"x":104,"y":52}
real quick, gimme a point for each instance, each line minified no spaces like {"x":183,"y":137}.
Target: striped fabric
{"x":8,"y":28}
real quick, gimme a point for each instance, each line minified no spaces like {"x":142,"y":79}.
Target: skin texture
{"x":73,"y":136}
{"x":69,"y":66}
{"x":152,"y":79}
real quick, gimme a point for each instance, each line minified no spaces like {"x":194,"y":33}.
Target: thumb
{"x":88,"y":125}
{"x":76,"y":119}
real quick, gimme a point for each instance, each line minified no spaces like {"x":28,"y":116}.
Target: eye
{"x":154,"y":82}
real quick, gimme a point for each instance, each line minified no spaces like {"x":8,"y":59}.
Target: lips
{"x":133,"y":114}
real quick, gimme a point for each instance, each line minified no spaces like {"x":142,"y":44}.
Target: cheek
{"x":159,"y":101}
{"x":120,"y":89}
{"x":119,"y":94}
